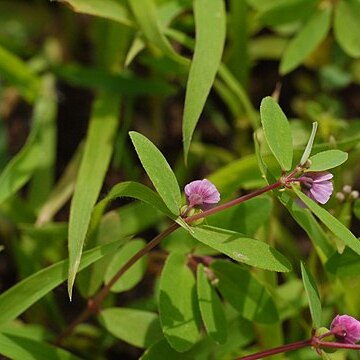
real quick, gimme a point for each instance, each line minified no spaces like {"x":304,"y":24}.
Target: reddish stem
{"x":336,"y":345}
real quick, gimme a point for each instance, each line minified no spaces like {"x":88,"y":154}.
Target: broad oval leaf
{"x":25,"y":293}
{"x":179,"y":315}
{"x":210,"y":24}
{"x":277,"y":132}
{"x":22,"y":348}
{"x":312,"y":295}
{"x":134,"y":274}
{"x":307,"y":39}
{"x":240,"y":288}
{"x":329,"y":159}
{"x":211,"y":308}
{"x":242,"y":249}
{"x":347,"y":26}
{"x":159,"y":171}
{"x":333,"y":224}
{"x":136,"y":327}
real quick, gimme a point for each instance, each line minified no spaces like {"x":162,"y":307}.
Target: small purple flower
{"x":346,"y":329}
{"x":201,"y":193}
{"x":317,"y":185}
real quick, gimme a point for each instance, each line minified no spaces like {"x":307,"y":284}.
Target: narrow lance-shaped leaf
{"x":211,"y":308}
{"x":309,"y":145}
{"x":146,"y":16}
{"x":312,"y":294}
{"x":307,"y":39}
{"x":94,"y":164}
{"x":22,"y":348}
{"x":210,"y":23}
{"x":333,"y":224}
{"x":327,"y":160}
{"x":277,"y":132}
{"x":159,"y":171}
{"x":242,"y":249}
{"x":25,"y":293}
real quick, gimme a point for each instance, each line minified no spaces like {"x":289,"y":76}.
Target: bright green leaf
{"x":309,"y":144}
{"x":327,"y":160}
{"x":134,"y":274}
{"x":25,"y":293}
{"x":21,"y":348}
{"x":312,"y":295}
{"x":242,"y":249}
{"x":159,"y":171}
{"x":108,"y":9}
{"x":93,"y":167}
{"x":211,"y":308}
{"x":333,"y":224}
{"x":147,"y":18}
{"x":210,"y":24}
{"x":240,"y":288}
{"x":179,"y":315}
{"x":136,"y":327}
{"x":277,"y":132}
{"x":307,"y":39}
{"x":347,"y":26}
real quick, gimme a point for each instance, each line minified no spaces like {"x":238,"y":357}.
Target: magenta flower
{"x":346,"y":329}
{"x":202,"y":194}
{"x":317,"y":185}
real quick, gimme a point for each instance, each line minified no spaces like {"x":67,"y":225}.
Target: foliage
{"x":109,"y":108}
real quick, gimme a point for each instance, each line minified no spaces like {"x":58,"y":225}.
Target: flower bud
{"x":346,"y":329}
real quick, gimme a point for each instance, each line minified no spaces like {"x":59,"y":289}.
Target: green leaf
{"x":136,"y":327}
{"x":333,"y":224}
{"x":25,"y":293}
{"x":309,"y":144}
{"x":345,"y":264}
{"x":240,"y":288}
{"x":211,"y":308}
{"x":242,"y":249}
{"x":312,"y":295}
{"x":306,"y":40}
{"x":93,"y":167}
{"x":134,"y":274}
{"x":179,"y":315}
{"x":159,"y":171}
{"x":210,"y":24}
{"x":347,"y":26}
{"x":277,"y":132}
{"x":108,"y":9}
{"x":21,"y":348}
{"x":147,"y":18}
{"x":327,"y":160}
{"x":19,"y":74}
{"x":288,"y":11}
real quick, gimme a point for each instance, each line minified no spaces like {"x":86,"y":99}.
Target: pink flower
{"x":346,"y":329}
{"x":201,"y":193}
{"x":317,"y":185}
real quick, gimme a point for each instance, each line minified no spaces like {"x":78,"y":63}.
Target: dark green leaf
{"x":240,"y":288}
{"x":136,"y":327}
{"x":242,"y":249}
{"x":306,"y":40}
{"x":345,"y":264}
{"x":277,"y":132}
{"x":333,"y":224}
{"x":312,"y":295}
{"x":179,"y":315}
{"x":327,"y":160}
{"x":159,"y":171}
{"x":211,"y":308}
{"x":210,"y":24}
